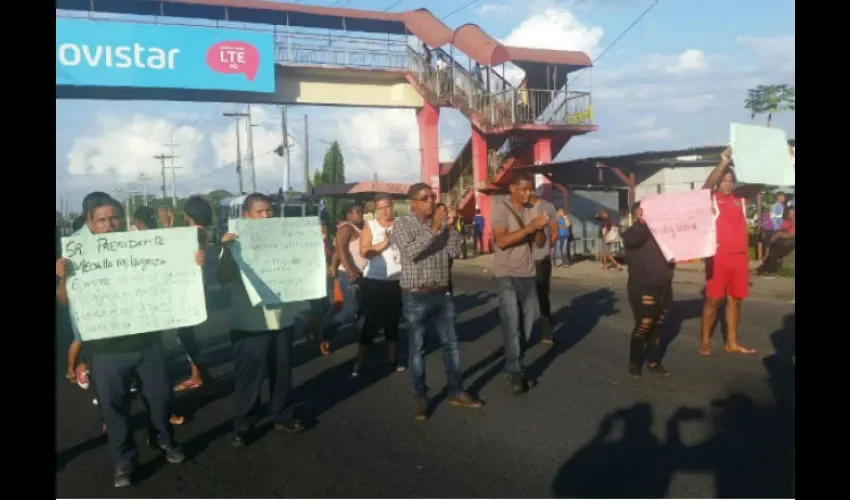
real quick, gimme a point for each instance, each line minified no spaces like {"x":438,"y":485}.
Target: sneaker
{"x":173,"y":453}
{"x":634,"y":370}
{"x":292,"y":426}
{"x":82,"y":377}
{"x":122,"y":477}
{"x":355,"y":370}
{"x":519,"y":384}
{"x":657,"y":370}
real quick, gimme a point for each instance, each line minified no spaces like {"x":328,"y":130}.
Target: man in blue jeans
{"x":517,"y":232}
{"x":426,"y":241}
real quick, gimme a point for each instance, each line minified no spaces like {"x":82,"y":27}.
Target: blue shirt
{"x":563,"y":229}
{"x":478,"y":222}
{"x":776,"y":215}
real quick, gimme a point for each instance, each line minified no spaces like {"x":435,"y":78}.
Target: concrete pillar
{"x":428,"y":119}
{"x":480,"y":177}
{"x":543,"y":154}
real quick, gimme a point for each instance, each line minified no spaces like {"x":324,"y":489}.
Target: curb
{"x":585,"y":279}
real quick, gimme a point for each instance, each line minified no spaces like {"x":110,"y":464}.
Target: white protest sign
{"x":135,"y":282}
{"x":281,"y":259}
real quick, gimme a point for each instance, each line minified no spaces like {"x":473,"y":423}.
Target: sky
{"x":674,"y":80}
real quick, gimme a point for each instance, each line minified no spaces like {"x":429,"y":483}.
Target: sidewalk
{"x":686,"y":274}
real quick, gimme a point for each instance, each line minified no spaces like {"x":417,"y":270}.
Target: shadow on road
{"x":750,"y":450}
{"x":577,"y":320}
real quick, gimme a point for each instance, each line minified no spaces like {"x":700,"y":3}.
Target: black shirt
{"x":647,"y":265}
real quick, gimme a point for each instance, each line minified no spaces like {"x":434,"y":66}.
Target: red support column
{"x":481,"y":179}
{"x":428,"y":118}
{"x":543,"y":154}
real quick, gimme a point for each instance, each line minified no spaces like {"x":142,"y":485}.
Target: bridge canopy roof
{"x":469,"y":38}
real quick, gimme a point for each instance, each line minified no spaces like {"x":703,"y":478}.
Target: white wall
{"x":673,"y":180}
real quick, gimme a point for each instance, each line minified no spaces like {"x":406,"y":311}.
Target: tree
{"x":770,"y":99}
{"x":332,"y":172}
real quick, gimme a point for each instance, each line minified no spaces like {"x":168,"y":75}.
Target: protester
{"x":727,"y":272}
{"x":609,"y":235}
{"x":514,"y":230}
{"x":259,"y":335}
{"x":349,"y":273}
{"x":781,"y":243}
{"x":117,"y":361}
{"x":542,"y":256}
{"x":478,"y":232}
{"x":650,"y":291}
{"x":381,"y":291}
{"x":563,"y":244}
{"x":197,"y":213}
{"x":426,"y":242}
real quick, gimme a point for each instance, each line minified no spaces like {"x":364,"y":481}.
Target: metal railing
{"x":336,"y":51}
{"x":532,"y":106}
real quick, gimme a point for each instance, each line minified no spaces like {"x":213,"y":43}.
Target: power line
{"x":462,"y":7}
{"x":391,"y":5}
{"x":621,"y":35}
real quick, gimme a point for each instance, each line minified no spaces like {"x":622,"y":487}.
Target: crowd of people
{"x":381,"y":272}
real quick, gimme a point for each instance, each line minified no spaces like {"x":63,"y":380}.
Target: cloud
{"x":492,"y":9}
{"x":556,"y":28}
{"x":553,"y":28}
{"x":670,"y":101}
{"x":689,"y":60}
{"x":123,"y":147}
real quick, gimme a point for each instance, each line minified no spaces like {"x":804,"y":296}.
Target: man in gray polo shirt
{"x":543,"y":264}
{"x":514,"y":231}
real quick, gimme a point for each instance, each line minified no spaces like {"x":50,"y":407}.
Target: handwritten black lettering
{"x":106,"y":244}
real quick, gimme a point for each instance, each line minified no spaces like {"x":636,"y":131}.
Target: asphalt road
{"x":719,"y":426}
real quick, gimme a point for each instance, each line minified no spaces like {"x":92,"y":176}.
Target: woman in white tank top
{"x":381,"y":292}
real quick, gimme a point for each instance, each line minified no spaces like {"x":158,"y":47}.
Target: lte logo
{"x":233,"y":58}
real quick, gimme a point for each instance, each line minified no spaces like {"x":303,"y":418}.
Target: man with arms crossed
{"x":727,"y":273}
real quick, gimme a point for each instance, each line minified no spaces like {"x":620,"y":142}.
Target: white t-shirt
{"x":386,"y":266}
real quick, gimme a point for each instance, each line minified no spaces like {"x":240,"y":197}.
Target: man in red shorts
{"x":727,"y":273}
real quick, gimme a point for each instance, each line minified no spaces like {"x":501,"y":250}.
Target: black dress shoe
{"x":239,"y":440}
{"x":291,"y":425}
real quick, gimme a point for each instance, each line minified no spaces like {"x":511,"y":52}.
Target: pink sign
{"x":682,"y":223}
{"x":234,"y":58}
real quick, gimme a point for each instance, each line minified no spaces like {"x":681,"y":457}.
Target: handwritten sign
{"x":281,"y":259}
{"x":682,"y":224}
{"x":128,"y":283}
{"x":761,"y":155}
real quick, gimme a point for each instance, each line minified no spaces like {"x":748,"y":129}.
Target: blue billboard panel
{"x":116,"y":54}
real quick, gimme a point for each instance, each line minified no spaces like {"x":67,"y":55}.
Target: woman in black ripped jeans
{"x":650,"y":294}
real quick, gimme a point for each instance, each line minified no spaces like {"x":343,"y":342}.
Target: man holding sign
{"x":117,"y":360}
{"x":727,"y":273}
{"x":260,"y":333}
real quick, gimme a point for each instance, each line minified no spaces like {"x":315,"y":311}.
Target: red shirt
{"x":731,"y":223}
{"x":789,"y":226}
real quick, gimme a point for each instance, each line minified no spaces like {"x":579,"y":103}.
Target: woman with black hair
{"x":650,"y":294}
{"x":197,"y":213}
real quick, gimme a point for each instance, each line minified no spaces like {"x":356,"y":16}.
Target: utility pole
{"x":144,"y":189}
{"x":238,"y":117}
{"x":285,"y":149}
{"x":306,"y":156}
{"x":162,"y":158}
{"x":250,"y":127}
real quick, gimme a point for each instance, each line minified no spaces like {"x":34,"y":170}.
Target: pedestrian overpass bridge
{"x":345,"y":57}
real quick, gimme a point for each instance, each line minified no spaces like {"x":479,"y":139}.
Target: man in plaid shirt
{"x":426,"y":241}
